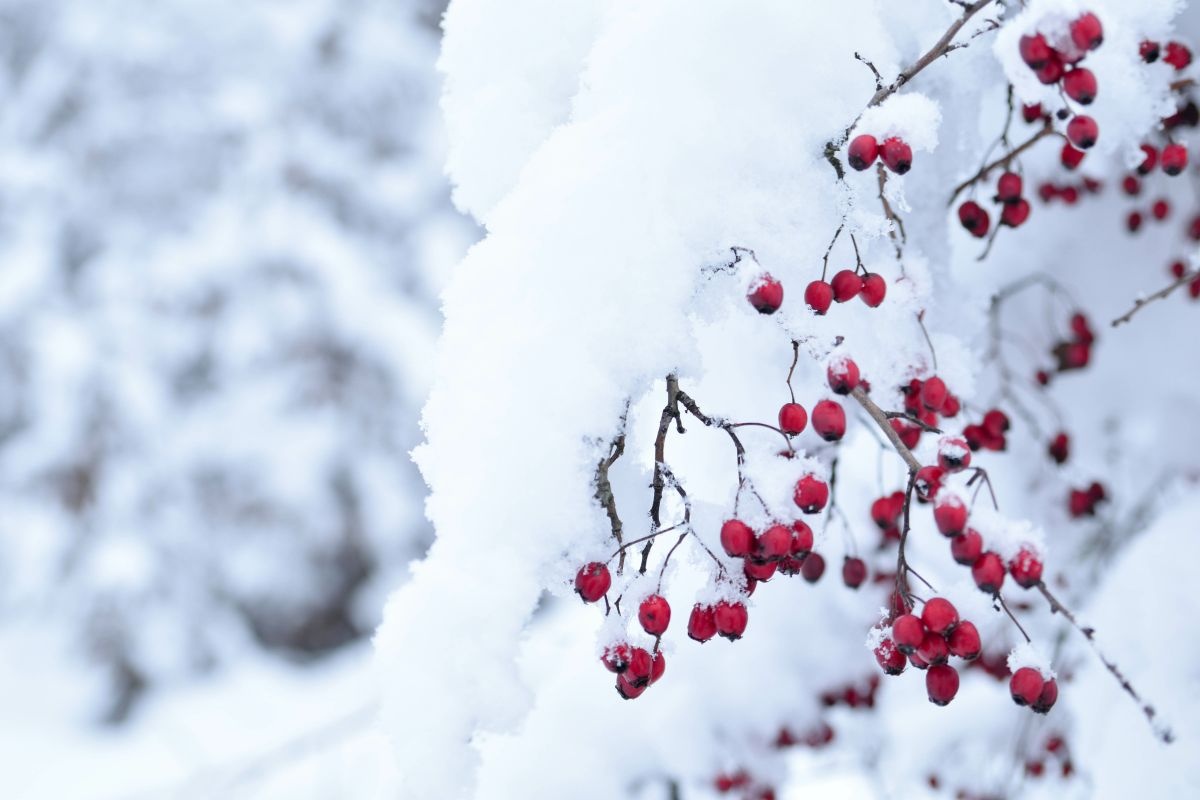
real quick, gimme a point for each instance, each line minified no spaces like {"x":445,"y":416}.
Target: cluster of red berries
{"x":927,"y":401}
{"x":927,"y":642}
{"x":635,"y":667}
{"x":1075,"y":352}
{"x":1178,"y":269}
{"x":966,"y":547}
{"x":1177,"y":54}
{"x":1083,"y":502}
{"x":1068,"y":193}
{"x":1055,"y":749}
{"x":747,"y":787}
{"x":1014,"y":209}
{"x":846,"y":285}
{"x":779,"y":548}
{"x":1029,"y":687}
{"x":1060,"y":65}
{"x":893,"y":151}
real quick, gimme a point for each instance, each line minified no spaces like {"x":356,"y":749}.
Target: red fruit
{"x":616,"y":658}
{"x":996,"y":422}
{"x":967,"y":547}
{"x":1014,"y":214}
{"x":891,"y":660}
{"x":1174,"y":159}
{"x":1035,"y":50}
{"x":1178,"y":55}
{"x":953,"y":453}
{"x":909,"y":434}
{"x":964,"y":642}
{"x":702,"y":624}
{"x":737,"y":538}
{"x":1086,"y":32}
{"x":629,"y":690}
{"x":1026,"y":568}
{"x":758,"y":569}
{"x":941,"y":682}
{"x":974,"y":218}
{"x":658,"y":667}
{"x":731,"y":619}
{"x":1148,"y":51}
{"x":908,"y":632}
{"x":842,"y":374}
{"x":1131,"y":186}
{"x":1149,"y":159}
{"x":928,"y":482}
{"x":951,"y":406}
{"x":862,"y":151}
{"x":1160,"y":209}
{"x":1047,"y":698}
{"x":933,"y":649}
{"x":1069,"y":195}
{"x":1026,"y":686}
{"x":846,"y":285}
{"x":1080,"y":85}
{"x":792,"y":418}
{"x":1134,"y":221}
{"x":766,"y":294}
{"x":1194,"y":289}
{"x":1079,"y":504}
{"x":950,"y":514}
{"x":933,"y":393}
{"x":886,"y":510}
{"x":897,"y":155}
{"x":775,"y":543}
{"x":818,"y":295}
{"x":939,"y":616}
{"x":811,"y":494}
{"x":1052,"y":71}
{"x":988,"y":572}
{"x":1031,"y":112}
{"x":874,"y":289}
{"x":592,"y":581}
{"x":790,"y":565}
{"x":1178,"y":269}
{"x":641,"y":665}
{"x":1008,"y":187}
{"x":1082,"y":328}
{"x":655,"y":614}
{"x":1059,"y":448}
{"x":829,"y":420}
{"x":1083,"y":131}
{"x":854,"y":572}
{"x":1071,"y":158}
{"x":802,"y":538}
{"x":813,"y":567}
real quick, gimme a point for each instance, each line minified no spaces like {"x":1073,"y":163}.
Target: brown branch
{"x":670,"y":412}
{"x":1159,"y":295}
{"x":881,"y":419}
{"x":604,"y":493}
{"x":896,"y":233}
{"x":1162,"y":731}
{"x":1003,"y":161}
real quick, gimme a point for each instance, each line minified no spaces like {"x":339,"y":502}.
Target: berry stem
{"x":1159,"y":295}
{"x":1047,"y":129}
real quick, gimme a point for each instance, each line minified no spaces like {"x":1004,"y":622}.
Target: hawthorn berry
{"x":854,"y":572}
{"x":766,"y":294}
{"x":1031,"y":112}
{"x":1035,"y":50}
{"x":616,"y":658}
{"x":818,"y":295}
{"x":1178,"y":55}
{"x":737,"y":538}
{"x":953,"y":453}
{"x":1059,"y":448}
{"x":927,"y":482}
{"x":759,"y":569}
{"x":909,"y":434}
{"x":949,"y":514}
{"x":730,"y":619}
{"x":974,"y":218}
{"x":862,"y":151}
{"x":846,"y":285}
{"x":592,"y":581}
{"x":951,"y":406}
{"x":1148,"y":50}
{"x":654,"y":614}
{"x":988,"y":572}
{"x":939,"y":616}
{"x":1026,"y":568}
{"x":941,"y":683}
{"x":1133,"y":222}
{"x":933,"y":649}
{"x":802,"y":538}
{"x":1047,"y":698}
{"x":658,"y":667}
{"x":641,"y":665}
{"x":1149,"y":160}
{"x":1025,"y":685}
{"x":996,"y":422}
{"x":1008,"y":187}
{"x":829,"y":420}
{"x":1086,"y":32}
{"x":891,"y":660}
{"x":702,"y":624}
{"x":1052,"y":71}
{"x":933,"y":393}
{"x":874,"y":289}
{"x":1014,"y":214}
{"x":966,"y":547}
{"x":1080,"y":85}
{"x":1131,"y":186}
{"x":1160,"y":209}
{"x":964,"y":642}
{"x":811,"y":493}
{"x":775,"y":543}
{"x":792,"y":418}
{"x":1174,"y":159}
{"x":908,"y":632}
{"x":896,"y":154}
{"x":1071,"y":157}
{"x":1083,"y":131}
{"x":886,"y":510}
{"x":629,"y":690}
{"x":842,"y":374}
{"x":813,"y":567}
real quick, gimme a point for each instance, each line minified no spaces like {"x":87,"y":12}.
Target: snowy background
{"x":234,"y":269}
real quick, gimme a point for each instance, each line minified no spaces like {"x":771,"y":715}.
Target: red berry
{"x":967,"y":547}
{"x":731,"y":619}
{"x":1060,"y":448}
{"x":775,"y":543}
{"x":1149,"y":160}
{"x":1035,"y":50}
{"x":933,"y":393}
{"x":616,"y":658}
{"x":1026,"y":686}
{"x":996,"y":422}
{"x":939,"y":616}
{"x":641,"y":665}
{"x":592,"y":581}
{"x":759,"y":569}
{"x":1031,"y":112}
{"x":658,"y":667}
{"x":1047,"y":698}
{"x":1160,"y":209}
{"x":1014,"y":214}
{"x":1008,"y":187}
{"x":974,"y":218}
{"x":953,"y":453}
{"x":737,"y":538}
{"x":874,"y":289}
{"x":1052,"y":71}
{"x":886,"y":510}
{"x":941,"y":682}
{"x":829,"y":420}
{"x":1148,"y":50}
{"x":1178,"y":269}
{"x":846,"y":285}
{"x":988,"y":572}
{"x":811,"y":494}
{"x":1026,"y":568}
{"x":933,"y":649}
{"x":629,"y":690}
{"x":1071,"y":158}
{"x":766,"y":294}
{"x":1131,"y":186}
{"x":950,"y":514}
{"x":1080,"y":85}
{"x":896,"y":154}
{"x":702,"y":624}
{"x":1134,"y":221}
{"x":813,"y":567}
{"x":802,"y":538}
{"x":928,"y":482}
{"x":854,"y":572}
{"x":818,"y":295}
{"x":964,"y":642}
{"x":792,"y":418}
{"x":909,"y":434}
{"x":951,"y":406}
{"x":862,"y":151}
{"x":1178,"y":55}
{"x":1086,"y":32}
{"x":908,"y":632}
{"x":891,"y":660}
{"x":790,"y":565}
{"x":842,"y":374}
{"x":655,"y":614}
{"x":1174,"y":159}
{"x":1083,"y":131}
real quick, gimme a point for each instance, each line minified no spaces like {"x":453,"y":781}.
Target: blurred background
{"x":223,"y":228}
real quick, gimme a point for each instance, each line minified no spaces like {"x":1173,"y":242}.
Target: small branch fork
{"x":1159,"y":295}
{"x":604,"y":493}
{"x":1004,"y":161}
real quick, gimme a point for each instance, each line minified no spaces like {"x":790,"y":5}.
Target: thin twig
{"x":1159,"y":295}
